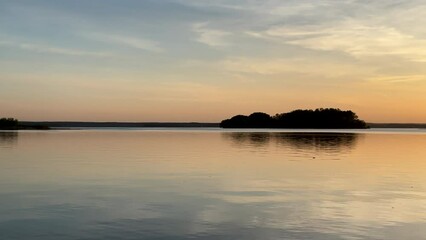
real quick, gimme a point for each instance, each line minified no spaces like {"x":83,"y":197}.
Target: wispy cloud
{"x":291,"y":9}
{"x":210,"y":37}
{"x":53,"y":49}
{"x":356,"y":38}
{"x":279,"y":66}
{"x":265,"y":7}
{"x":236,"y":5}
{"x":132,"y":42}
{"x":398,"y":79}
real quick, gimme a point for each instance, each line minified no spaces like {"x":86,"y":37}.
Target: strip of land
{"x":65,"y":124}
{"x":120,"y":124}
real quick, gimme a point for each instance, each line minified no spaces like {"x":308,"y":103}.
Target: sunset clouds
{"x":352,"y":54}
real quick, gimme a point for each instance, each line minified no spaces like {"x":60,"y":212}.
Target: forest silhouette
{"x":321,"y":118}
{"x":9,"y":123}
{"x":14,"y":124}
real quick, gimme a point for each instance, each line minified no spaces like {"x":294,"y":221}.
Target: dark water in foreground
{"x":193,"y":184}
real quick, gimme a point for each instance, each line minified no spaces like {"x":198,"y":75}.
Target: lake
{"x":213,"y":184}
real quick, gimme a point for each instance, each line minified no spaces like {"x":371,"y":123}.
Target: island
{"x":321,"y":118}
{"x":14,"y":124}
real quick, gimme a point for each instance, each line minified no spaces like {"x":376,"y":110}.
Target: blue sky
{"x":196,"y":60}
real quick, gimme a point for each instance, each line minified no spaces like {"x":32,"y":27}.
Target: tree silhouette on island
{"x":321,"y":118}
{"x":8,"y":123}
{"x":13,"y":124}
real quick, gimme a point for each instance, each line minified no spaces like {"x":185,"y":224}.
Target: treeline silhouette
{"x":8,"y":123}
{"x":13,"y":124}
{"x":321,"y":118}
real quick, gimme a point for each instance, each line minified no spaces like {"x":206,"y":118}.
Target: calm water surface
{"x":212,"y":184}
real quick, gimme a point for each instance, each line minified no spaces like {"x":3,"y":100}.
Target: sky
{"x":203,"y":60}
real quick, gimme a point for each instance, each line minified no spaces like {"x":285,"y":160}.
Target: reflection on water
{"x":212,"y":185}
{"x":8,"y":138}
{"x":309,"y":145}
{"x":316,"y":141}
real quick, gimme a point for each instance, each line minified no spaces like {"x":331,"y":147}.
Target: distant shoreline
{"x":72,"y":124}
{"x":66,"y":124}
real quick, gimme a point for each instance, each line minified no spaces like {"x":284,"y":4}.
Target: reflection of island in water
{"x":8,"y":138}
{"x":327,"y":142}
